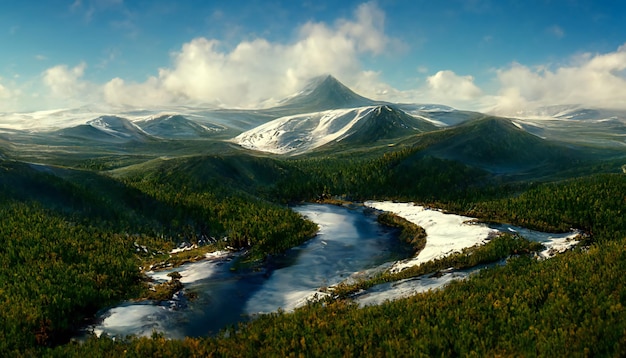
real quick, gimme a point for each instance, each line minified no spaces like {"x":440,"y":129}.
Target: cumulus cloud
{"x":593,"y":80}
{"x":447,"y":84}
{"x":258,"y":70}
{"x":207,"y":71}
{"x":65,"y":82}
{"x":444,"y":87}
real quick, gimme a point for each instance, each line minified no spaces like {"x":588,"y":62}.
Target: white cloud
{"x":447,"y":84}
{"x":4,"y":92}
{"x":257,"y":70}
{"x":10,"y":95}
{"x":444,"y":87}
{"x":422,"y":69}
{"x":597,"y":80}
{"x":65,"y":82}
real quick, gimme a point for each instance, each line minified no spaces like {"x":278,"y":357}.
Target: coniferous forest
{"x":71,"y":239}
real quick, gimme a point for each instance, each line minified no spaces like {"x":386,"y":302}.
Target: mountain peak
{"x":324,"y":93}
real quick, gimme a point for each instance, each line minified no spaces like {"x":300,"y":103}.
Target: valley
{"x":83,"y":192}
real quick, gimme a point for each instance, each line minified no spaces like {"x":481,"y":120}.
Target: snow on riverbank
{"x":138,"y":319}
{"x":554,"y":243}
{"x":346,"y":249}
{"x":409,"y":287}
{"x":447,"y":233}
{"x":196,"y":272}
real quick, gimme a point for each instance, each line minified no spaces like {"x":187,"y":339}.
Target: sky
{"x":498,"y":56}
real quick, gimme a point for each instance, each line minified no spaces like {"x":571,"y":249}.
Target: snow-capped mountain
{"x":301,"y":133}
{"x":175,"y":126}
{"x":323,"y":93}
{"x":109,"y":129}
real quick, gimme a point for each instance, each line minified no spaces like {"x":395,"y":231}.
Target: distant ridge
{"x":497,"y":145}
{"x":176,"y":127}
{"x":106,"y":129}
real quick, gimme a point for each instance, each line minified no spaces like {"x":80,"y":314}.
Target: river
{"x":349,"y":240}
{"x":350,"y":243}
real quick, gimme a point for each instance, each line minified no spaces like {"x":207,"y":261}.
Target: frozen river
{"x":349,"y":241}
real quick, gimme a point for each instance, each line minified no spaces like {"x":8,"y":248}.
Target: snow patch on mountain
{"x":102,"y":125}
{"x":300,"y":133}
{"x":430,"y":120}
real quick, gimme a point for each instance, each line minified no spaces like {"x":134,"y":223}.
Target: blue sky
{"x":498,"y":55}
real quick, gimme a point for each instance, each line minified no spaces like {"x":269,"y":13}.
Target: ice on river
{"x":349,"y":244}
{"x":409,"y":287}
{"x":198,"y":271}
{"x":447,"y":233}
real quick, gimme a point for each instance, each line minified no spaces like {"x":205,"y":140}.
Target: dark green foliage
{"x":572,"y":304}
{"x":70,"y":241}
{"x":54,"y":272}
{"x":595,"y":204}
{"x":499,"y":248}
{"x":410,"y":233}
{"x":404,"y":174}
{"x":497,"y":145}
{"x":200,"y":201}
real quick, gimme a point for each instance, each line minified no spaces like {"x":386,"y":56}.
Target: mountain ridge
{"x":298,"y":134}
{"x":106,"y":129}
{"x":176,"y":126}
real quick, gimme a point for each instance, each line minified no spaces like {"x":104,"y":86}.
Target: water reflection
{"x":349,"y":241}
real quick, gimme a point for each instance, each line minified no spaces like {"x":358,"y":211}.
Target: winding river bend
{"x":349,"y":240}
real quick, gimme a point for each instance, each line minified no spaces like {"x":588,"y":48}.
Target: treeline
{"x":211,"y":198}
{"x":570,"y":304}
{"x":405,"y":174}
{"x":497,"y":249}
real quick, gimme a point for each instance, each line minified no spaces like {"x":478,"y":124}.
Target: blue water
{"x":350,"y":240}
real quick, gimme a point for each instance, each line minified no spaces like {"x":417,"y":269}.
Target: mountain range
{"x":326,"y":118}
